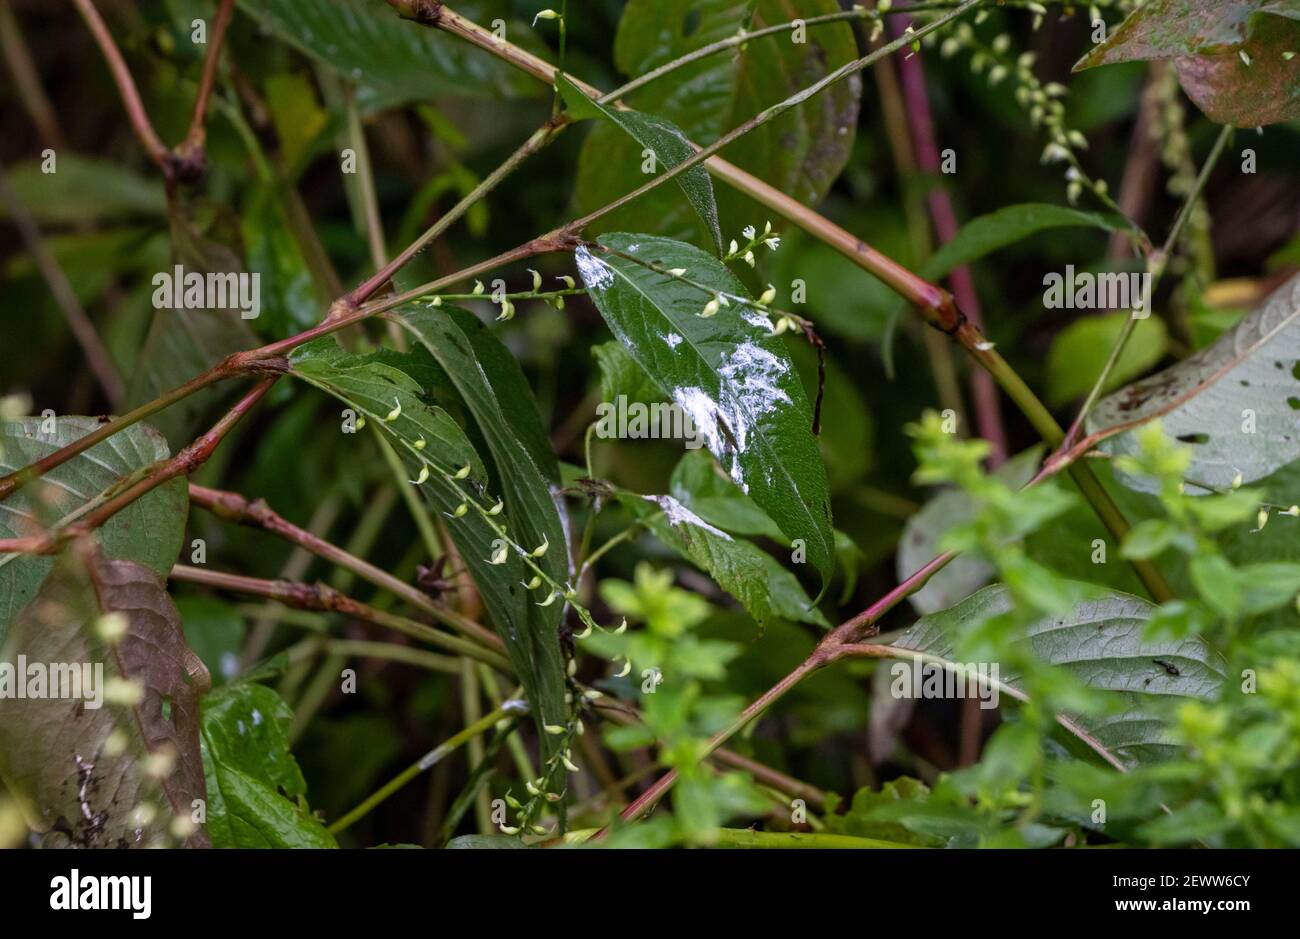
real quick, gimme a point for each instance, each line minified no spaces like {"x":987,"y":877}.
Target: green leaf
{"x":1079,"y":352}
{"x":801,"y":152}
{"x":966,"y":573}
{"x":667,"y":144}
{"x":87,"y":763}
{"x":83,"y":189}
{"x":1101,"y":643}
{"x":700,"y":484}
{"x":392,"y":61}
{"x":1228,"y":54}
{"x":256,"y":793}
{"x":620,"y":376}
{"x":727,"y":372}
{"x":149,"y":531}
{"x":492,"y":389}
{"x":1235,"y":402}
{"x":1006,"y":226}
{"x":497,"y":396}
{"x":755,"y":578}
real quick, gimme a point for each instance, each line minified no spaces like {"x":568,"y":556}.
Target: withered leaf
{"x":119,"y":774}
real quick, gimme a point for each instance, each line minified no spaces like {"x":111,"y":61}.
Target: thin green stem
{"x":433,"y":757}
{"x":1155,"y":268}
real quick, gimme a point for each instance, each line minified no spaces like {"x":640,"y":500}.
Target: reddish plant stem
{"x":234,"y":507}
{"x":984,"y":393}
{"x":192,"y":146}
{"x":325,"y":599}
{"x":135,"y":111}
{"x":182,"y":464}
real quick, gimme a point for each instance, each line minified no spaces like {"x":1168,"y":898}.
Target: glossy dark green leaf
{"x":375,"y":385}
{"x":1101,"y":642}
{"x":83,"y":768}
{"x":766,"y":589}
{"x":150,"y":531}
{"x":392,"y":61}
{"x":800,"y":153}
{"x":668,"y":146}
{"x":1229,"y":54}
{"x":728,"y":373}
{"x":256,"y":793}
{"x":496,"y":395}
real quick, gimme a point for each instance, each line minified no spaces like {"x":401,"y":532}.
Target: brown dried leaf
{"x":55,"y":753}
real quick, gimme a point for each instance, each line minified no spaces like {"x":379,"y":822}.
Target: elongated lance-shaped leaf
{"x":668,"y":146}
{"x":103,"y":769}
{"x":255,"y":789}
{"x":1236,"y":402}
{"x":376,"y":385}
{"x":727,"y":371}
{"x":1100,"y":641}
{"x":496,"y":394}
{"x":148,"y":531}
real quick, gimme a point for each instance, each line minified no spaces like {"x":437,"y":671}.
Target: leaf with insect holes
{"x":149,"y":531}
{"x":668,"y":146}
{"x":1230,"y":55}
{"x":1236,"y":402}
{"x":727,"y":372}
{"x":121,"y":774}
{"x":1100,"y":642}
{"x":256,"y":793}
{"x":801,"y":153}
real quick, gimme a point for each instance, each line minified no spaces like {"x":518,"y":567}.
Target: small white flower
{"x":420,"y":444}
{"x":541,"y":548}
{"x":555,"y":729}
{"x":537,"y":278}
{"x":462,"y":472}
{"x":567,"y":281}
{"x":478,"y":288}
{"x":710,"y":309}
{"x":395,"y":413}
{"x":627,"y":667}
{"x":499,"y":556}
{"x":677,"y":271}
{"x":545,"y":15}
{"x":773,"y":242}
{"x":767,"y":296}
{"x":496,"y":509}
{"x":749,"y":232}
{"x":423,"y":477}
{"x":749,"y":258}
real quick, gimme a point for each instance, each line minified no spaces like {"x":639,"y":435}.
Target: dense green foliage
{"x":440,"y":580}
